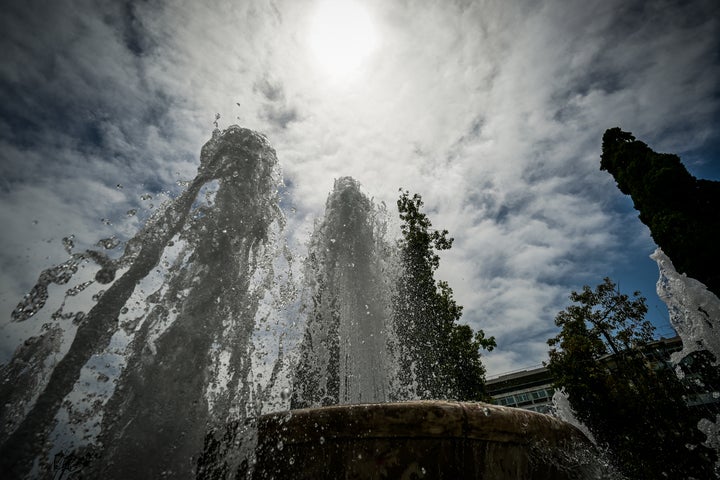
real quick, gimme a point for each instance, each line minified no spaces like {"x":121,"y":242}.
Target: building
{"x":528,"y":389}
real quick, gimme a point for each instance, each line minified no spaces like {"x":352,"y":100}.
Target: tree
{"x":680,"y":210}
{"x":439,"y":357}
{"x":635,"y":408}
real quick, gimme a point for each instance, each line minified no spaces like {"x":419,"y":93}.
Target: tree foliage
{"x":680,"y":210}
{"x":440,"y":358}
{"x":637,"y":409}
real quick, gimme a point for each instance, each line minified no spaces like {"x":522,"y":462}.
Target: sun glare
{"x":341,"y":36}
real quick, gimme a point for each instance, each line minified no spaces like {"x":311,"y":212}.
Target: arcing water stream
{"x":207,"y":266}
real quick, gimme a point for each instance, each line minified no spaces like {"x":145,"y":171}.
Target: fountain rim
{"x":475,"y":421}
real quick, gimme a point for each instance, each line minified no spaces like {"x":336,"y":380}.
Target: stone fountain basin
{"x":419,"y":439}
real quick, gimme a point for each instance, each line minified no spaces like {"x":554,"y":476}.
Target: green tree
{"x":439,"y":357}
{"x":637,"y":410}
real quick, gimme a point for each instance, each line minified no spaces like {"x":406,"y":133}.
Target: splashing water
{"x":344,"y":357}
{"x":208,"y":301}
{"x":694,"y":310}
{"x":209,"y":269}
{"x":562,"y":409}
{"x":695,"y":316}
{"x":175,"y":325}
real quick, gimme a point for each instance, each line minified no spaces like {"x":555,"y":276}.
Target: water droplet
{"x":102,"y":378}
{"x":119,"y":186}
{"x":68,"y":243}
{"x":145,"y":196}
{"x":291,"y":460}
{"x":285,"y":393}
{"x":322,"y":440}
{"x":71,"y":292}
{"x":105,"y":276}
{"x":280,"y":445}
{"x":35,"y":222}
{"x":108,"y":243}
{"x":131,"y":212}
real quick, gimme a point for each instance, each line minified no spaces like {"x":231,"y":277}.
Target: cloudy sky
{"x":492,"y":110}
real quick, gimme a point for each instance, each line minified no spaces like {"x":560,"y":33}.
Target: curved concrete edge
{"x":418,"y":419}
{"x":420,"y":439}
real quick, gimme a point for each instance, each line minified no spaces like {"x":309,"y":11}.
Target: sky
{"x":493,"y":111}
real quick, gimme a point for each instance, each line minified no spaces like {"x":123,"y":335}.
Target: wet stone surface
{"x":430,"y":439}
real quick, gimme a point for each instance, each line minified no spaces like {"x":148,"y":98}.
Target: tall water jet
{"x":193,"y":331}
{"x":343,"y":356}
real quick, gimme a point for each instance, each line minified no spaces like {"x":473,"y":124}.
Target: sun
{"x":341,"y":36}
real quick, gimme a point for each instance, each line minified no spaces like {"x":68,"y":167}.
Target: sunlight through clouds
{"x":341,"y":36}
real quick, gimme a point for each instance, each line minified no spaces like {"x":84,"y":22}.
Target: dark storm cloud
{"x":71,"y":72}
{"x":134,"y":34}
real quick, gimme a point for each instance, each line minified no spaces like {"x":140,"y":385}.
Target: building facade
{"x":528,"y":389}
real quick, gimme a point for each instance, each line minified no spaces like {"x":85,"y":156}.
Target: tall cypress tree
{"x":680,"y":210}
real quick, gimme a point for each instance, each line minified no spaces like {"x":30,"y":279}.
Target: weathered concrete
{"x":413,"y":440}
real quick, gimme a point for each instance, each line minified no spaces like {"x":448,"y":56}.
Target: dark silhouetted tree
{"x":680,"y":210}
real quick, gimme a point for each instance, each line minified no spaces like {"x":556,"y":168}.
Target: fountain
{"x":178,"y":319}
